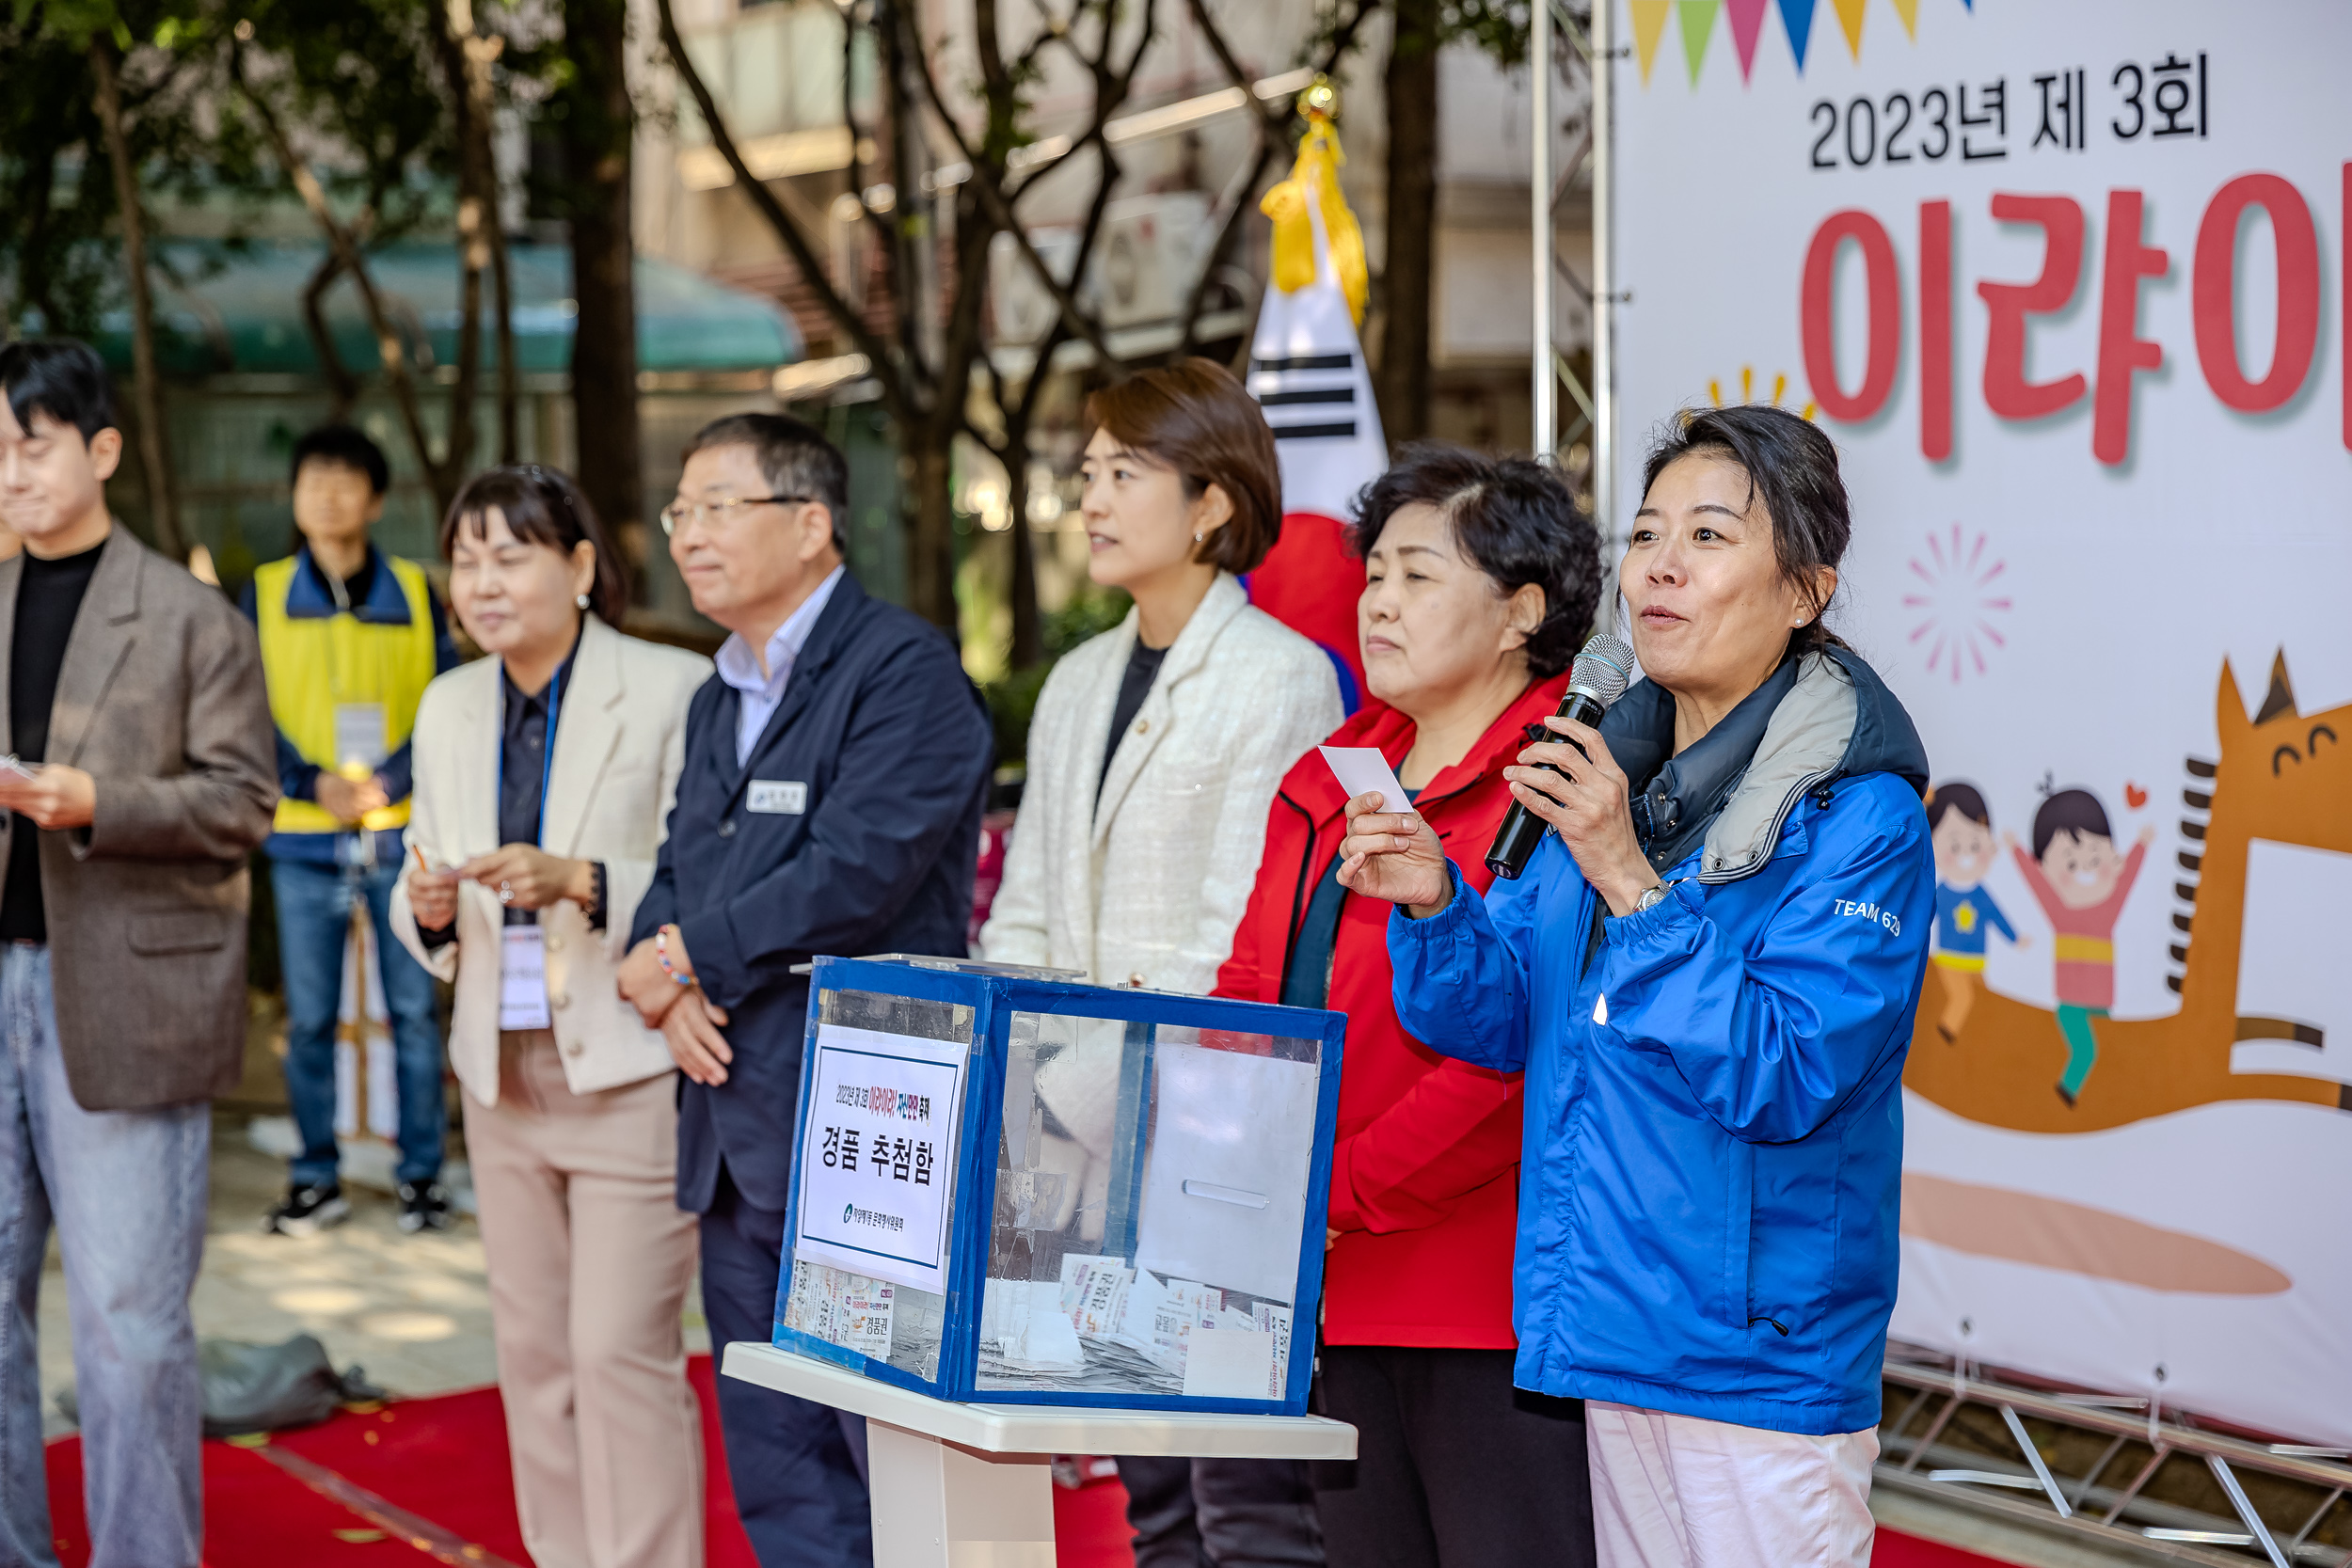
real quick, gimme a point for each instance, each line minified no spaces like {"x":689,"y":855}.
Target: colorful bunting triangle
{"x":1699,"y":29}
{"x":1649,"y":25}
{"x":1849,"y":18}
{"x":1747,"y":25}
{"x":1796,"y":16}
{"x":1909,"y":11}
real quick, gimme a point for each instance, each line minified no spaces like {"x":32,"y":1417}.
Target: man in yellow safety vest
{"x":350,"y":638}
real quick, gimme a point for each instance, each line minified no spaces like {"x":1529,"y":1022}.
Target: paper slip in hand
{"x":1361,"y":771}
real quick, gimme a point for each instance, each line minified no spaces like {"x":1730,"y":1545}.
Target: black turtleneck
{"x":48,"y":597}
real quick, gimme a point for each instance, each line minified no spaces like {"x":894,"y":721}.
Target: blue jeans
{"x":126,"y":1192}
{"x":314,"y":925}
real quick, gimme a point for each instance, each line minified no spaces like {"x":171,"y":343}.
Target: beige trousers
{"x":589,"y":1260}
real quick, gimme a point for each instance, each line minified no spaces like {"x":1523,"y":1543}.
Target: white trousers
{"x":1678,"y":1492}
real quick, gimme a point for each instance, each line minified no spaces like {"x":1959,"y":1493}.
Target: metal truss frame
{"x":2114,"y":1508}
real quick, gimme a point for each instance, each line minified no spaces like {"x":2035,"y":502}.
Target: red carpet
{"x":428,"y":1480}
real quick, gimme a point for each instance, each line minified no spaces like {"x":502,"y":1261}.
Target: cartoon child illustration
{"x":2081,"y":882}
{"x":1960,"y":828}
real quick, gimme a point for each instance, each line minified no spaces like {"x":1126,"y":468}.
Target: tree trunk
{"x":163,"y":499}
{"x":1403,"y":384}
{"x":600,"y":124}
{"x":342,"y":387}
{"x":1028,"y":641}
{"x":930,"y":511}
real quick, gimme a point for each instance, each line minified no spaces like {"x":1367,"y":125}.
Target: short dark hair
{"x":2069,"y":811}
{"x":543,"y":506}
{"x":1516,"y":518}
{"x":61,"y":377}
{"x":345,"y":446}
{"x":1195,"y":418}
{"x":1944,"y":799}
{"x":795,"y":457}
{"x":1793,"y":467}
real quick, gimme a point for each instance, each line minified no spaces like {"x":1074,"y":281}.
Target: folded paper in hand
{"x":1362,"y":771}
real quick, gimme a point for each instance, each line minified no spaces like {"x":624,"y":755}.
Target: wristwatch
{"x":1651,"y":897}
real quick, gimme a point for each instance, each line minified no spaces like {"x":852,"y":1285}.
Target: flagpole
{"x":1604,"y":269}
{"x":1544,"y":385}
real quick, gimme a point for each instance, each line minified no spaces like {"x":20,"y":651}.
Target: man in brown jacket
{"x":141,"y":774}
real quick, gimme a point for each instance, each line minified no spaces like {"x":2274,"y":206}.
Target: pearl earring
{"x":1198,"y":537}
{"x":581,"y":600}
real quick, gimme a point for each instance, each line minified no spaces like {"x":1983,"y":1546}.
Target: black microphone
{"x":1598,"y":678}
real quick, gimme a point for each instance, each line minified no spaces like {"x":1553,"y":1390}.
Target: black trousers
{"x":1454,"y":1467}
{"x":1221,"y":1514}
{"x":799,"y":1468}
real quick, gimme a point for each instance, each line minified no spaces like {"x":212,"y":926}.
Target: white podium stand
{"x":967,"y":1485}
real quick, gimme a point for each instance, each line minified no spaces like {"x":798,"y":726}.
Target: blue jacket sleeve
{"x":399,"y":771}
{"x":1994,"y":915}
{"x":445,"y":657}
{"x":297,"y":780}
{"x":1773,"y":1040}
{"x":909,"y":771}
{"x":1461,"y":975}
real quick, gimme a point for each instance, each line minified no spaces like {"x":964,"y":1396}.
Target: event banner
{"x":2066,"y":282}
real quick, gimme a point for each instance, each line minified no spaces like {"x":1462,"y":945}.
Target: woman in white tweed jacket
{"x":1153,"y":759}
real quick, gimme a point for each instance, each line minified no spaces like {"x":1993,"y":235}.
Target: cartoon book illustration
{"x":2081,"y":883}
{"x":2282,"y":775}
{"x":1960,"y":828}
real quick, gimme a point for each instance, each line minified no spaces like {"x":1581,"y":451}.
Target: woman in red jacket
{"x":1480,"y":578}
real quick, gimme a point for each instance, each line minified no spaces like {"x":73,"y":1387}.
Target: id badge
{"x":523,"y":977}
{"x":358,"y":734}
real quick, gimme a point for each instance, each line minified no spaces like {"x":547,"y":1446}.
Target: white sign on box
{"x":878,"y":1155}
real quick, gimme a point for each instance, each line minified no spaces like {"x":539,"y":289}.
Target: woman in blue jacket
{"x":1707,"y":974}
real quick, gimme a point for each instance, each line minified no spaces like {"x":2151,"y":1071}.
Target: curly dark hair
{"x":1516,"y":518}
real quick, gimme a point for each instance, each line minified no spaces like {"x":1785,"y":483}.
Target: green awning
{"x":225,"y":308}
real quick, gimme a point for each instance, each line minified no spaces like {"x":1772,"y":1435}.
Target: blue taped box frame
{"x":1010,"y":1187}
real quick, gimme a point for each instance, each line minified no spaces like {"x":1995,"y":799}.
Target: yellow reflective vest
{"x":333,"y":671}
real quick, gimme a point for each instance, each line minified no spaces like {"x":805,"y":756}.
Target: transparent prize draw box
{"x":1010,"y":1187}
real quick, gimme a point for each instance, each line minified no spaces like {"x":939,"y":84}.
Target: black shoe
{"x":308,"y":1210}
{"x":423,"y":1206}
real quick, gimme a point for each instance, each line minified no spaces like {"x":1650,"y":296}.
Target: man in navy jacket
{"x":835,"y":769}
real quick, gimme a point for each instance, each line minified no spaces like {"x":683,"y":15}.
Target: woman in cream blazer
{"x":571,"y":1129}
{"x":1143,"y":884}
{"x":1153,"y":758}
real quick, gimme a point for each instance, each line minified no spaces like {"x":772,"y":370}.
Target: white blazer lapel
{"x":1190,"y":651}
{"x":587,"y":729}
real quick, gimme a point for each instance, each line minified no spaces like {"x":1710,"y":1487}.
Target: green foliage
{"x":362,"y":77}
{"x":58,"y":207}
{"x":1013,"y":699}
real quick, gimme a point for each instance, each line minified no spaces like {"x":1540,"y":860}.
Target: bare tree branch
{"x":341,"y":240}
{"x":342,"y":386}
{"x":885,"y":365}
{"x":984,"y":179}
{"x":163,"y":497}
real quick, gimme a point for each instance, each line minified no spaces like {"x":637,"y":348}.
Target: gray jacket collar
{"x":1817,"y":718}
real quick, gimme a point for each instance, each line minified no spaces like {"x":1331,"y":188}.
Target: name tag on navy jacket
{"x":778,"y":796}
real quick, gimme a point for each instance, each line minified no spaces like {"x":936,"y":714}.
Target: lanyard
{"x":547,"y":756}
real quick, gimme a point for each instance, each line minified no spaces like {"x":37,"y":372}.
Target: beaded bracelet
{"x":661,"y":956}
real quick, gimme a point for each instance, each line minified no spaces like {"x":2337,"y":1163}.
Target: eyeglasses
{"x":677,"y":514}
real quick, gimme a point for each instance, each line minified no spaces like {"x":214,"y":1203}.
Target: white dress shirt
{"x":761,"y":693}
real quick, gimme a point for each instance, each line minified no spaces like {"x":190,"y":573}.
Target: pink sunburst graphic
{"x":1957,"y":610}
